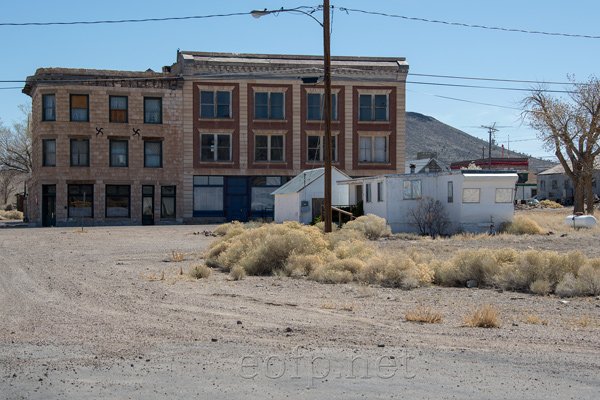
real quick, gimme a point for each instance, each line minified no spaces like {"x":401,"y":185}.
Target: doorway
{"x":147,"y":205}
{"x":237,"y":199}
{"x":48,"y":205}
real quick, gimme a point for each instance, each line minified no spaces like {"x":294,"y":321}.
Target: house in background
{"x":553,"y":184}
{"x":424,"y":165}
{"x":526,"y":186}
{"x":301,"y":198}
{"x":208,"y":139}
{"x":495,"y":164}
{"x":475,"y":200}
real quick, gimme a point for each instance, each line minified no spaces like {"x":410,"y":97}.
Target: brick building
{"x":207,"y":139}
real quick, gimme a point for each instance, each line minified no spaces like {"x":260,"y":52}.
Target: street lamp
{"x":326,"y":101}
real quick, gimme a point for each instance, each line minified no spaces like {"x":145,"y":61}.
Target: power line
{"x":492,"y":79}
{"x":468,"y":25}
{"x":465,"y":101}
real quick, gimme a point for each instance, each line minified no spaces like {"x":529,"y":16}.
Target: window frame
{"x":168,"y":196}
{"x":213,"y":181}
{"x":146,"y":154}
{"x":111,"y":109}
{"x":499,"y":193}
{"x":412,"y":189}
{"x":372,"y":149}
{"x":380,"y":192}
{"x":450,"y":191}
{"x":270,"y":186}
{"x":79,"y":164}
{"x":215,"y":104}
{"x":216,"y":147}
{"x":269,"y":106}
{"x":87,"y":108}
{"x":269,"y":148}
{"x":471,"y":190}
{"x":110,"y":153}
{"x":146,"y":111}
{"x":80,"y":194}
{"x":45,"y":153}
{"x":372,"y":107}
{"x":45,"y":108}
{"x":368,"y":194}
{"x":106,"y":200}
{"x":321,"y":148}
{"x":321,"y":107}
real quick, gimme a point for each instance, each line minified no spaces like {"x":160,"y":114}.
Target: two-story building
{"x":207,"y":139}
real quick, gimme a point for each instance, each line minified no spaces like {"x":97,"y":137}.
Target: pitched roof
{"x":422,"y":163}
{"x":303,"y":180}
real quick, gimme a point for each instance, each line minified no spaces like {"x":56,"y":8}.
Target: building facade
{"x":206,"y":140}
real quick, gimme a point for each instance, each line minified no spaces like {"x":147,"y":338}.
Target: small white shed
{"x":301,"y":198}
{"x":476,"y":201}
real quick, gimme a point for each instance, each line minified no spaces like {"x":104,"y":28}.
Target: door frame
{"x":145,"y":219}
{"x":45,"y":212}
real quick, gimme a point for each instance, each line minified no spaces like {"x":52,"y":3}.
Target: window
{"x":118,"y":108}
{"x":593,"y":183}
{"x":368,"y":192}
{"x":152,"y":110}
{"x":79,"y":107}
{"x":49,"y":153}
{"x":152,"y":154}
{"x":215,"y":147}
{"x":316,"y":148}
{"x":554,"y":185}
{"x":450,"y":192}
{"x":80,"y":201}
{"x":471,"y":195}
{"x":268,"y":148}
{"x":373,"y":107}
{"x":542,"y":185}
{"x":119,"y":153}
{"x":269,"y":105}
{"x":80,"y":150}
{"x":215,"y":104}
{"x":48,"y":107}
{"x":566,"y":183}
{"x":412,"y":190}
{"x":208,"y":193}
{"x":373,"y":149}
{"x":262,"y":187}
{"x":316,"y":110}
{"x":379,"y":191}
{"x":117,"y":201}
{"x":504,"y":195}
{"x":167,"y":202}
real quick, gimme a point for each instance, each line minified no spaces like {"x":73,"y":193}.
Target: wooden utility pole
{"x":327,"y":105}
{"x":491,"y":130}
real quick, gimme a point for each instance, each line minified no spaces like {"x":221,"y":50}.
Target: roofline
{"x":291,"y":56}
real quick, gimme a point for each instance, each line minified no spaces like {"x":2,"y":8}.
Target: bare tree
{"x":429,"y":217}
{"x":571,"y":127}
{"x":7,"y":187}
{"x":15,"y":144}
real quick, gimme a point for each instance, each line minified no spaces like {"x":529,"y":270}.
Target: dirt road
{"x":88,"y":315}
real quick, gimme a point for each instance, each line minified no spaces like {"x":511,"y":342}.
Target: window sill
{"x":372,"y":163}
{"x":270,"y":120}
{"x":374,"y":122}
{"x":216,"y":119}
{"x":208,"y":162}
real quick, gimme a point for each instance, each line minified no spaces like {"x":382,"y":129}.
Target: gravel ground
{"x":88,"y":315}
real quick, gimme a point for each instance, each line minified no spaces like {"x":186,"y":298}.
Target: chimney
{"x":412,"y":168}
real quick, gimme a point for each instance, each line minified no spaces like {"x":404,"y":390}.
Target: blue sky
{"x":430,"y":48}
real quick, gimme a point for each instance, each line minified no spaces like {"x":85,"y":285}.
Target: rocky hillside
{"x":424,"y":133}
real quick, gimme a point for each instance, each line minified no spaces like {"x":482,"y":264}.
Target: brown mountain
{"x":424,"y":133}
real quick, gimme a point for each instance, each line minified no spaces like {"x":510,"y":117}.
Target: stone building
{"x":208,"y":139}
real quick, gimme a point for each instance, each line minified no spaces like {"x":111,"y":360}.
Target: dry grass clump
{"x":534,"y":319}
{"x":372,"y":226}
{"x":484,"y":316}
{"x":550,"y":204}
{"x":237,"y":273}
{"x":522,"y":226}
{"x":586,"y":320}
{"x":467,"y":265}
{"x":176,"y":256}
{"x":11,"y":214}
{"x":424,"y":315}
{"x":200,"y":271}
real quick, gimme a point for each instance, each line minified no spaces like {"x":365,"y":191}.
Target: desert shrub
{"x":568,"y":286}
{"x":550,"y":204}
{"x":12,"y":214}
{"x":505,"y":255}
{"x":479,"y":265}
{"x":176,"y":255}
{"x":200,"y":271}
{"x":321,"y":225}
{"x":354,"y":249}
{"x":343,"y":235}
{"x":429,"y":217}
{"x":331,"y":275}
{"x":298,"y":265}
{"x":237,"y":273}
{"x":372,"y":226}
{"x":522,"y":226}
{"x":541,"y":287}
{"x":484,"y":316}
{"x":588,"y":279}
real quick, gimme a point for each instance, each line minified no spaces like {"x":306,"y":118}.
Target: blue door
{"x":237,"y":199}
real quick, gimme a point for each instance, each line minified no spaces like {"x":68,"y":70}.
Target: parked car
{"x":532,"y":201}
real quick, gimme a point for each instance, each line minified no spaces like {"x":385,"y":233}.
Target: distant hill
{"x":424,"y":133}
